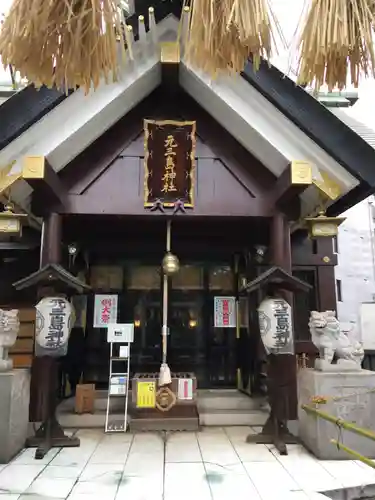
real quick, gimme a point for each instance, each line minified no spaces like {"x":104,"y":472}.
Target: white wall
{"x":356,"y":262}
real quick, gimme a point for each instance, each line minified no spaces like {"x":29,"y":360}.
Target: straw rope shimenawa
{"x":336,"y":40}
{"x":63,"y":43}
{"x":223,"y":34}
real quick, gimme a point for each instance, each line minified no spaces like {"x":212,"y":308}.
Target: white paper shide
{"x":275,"y":324}
{"x":54,"y":320}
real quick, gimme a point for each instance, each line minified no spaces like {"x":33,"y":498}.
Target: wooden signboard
{"x":169,"y":163}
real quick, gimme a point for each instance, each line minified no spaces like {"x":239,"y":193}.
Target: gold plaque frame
{"x":192,"y":172}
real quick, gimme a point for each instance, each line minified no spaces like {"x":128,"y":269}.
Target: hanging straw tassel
{"x":223,"y":34}
{"x":336,"y":40}
{"x":63,"y":43}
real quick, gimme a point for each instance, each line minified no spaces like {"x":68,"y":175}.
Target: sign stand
{"x":118,"y":382}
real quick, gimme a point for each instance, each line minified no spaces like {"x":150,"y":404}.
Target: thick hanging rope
{"x":224,"y":34}
{"x":63,"y":43}
{"x":336,"y":40}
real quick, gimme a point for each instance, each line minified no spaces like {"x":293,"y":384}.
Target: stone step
{"x":213,"y":418}
{"x":88,"y":420}
{"x":227,"y":400}
{"x":233,"y":417}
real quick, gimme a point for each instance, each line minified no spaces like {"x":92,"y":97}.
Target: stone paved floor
{"x":215,"y":464}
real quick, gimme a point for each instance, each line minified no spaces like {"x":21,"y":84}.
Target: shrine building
{"x":238,"y":168}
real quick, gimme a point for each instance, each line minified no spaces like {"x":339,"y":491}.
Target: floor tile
{"x":76,"y":456}
{"x":147,"y":441}
{"x":217,"y":449}
{"x":270,"y":478}
{"x":54,"y":487}
{"x":26,"y":496}
{"x":183,"y":448}
{"x":347,"y":472}
{"x":308,"y":473}
{"x":186,"y":481}
{"x":146,"y":455}
{"x":61,"y":472}
{"x":238,"y":434}
{"x":92,"y":490}
{"x":107,"y":453}
{"x":103,"y":473}
{"x":249,"y":452}
{"x":142,"y":487}
{"x":228,"y":482}
{"x":17,"y":478}
{"x":27,"y":457}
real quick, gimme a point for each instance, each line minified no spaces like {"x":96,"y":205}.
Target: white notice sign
{"x":120,"y":333}
{"x":185,"y":389}
{"x":225,"y":312}
{"x":105,"y":310}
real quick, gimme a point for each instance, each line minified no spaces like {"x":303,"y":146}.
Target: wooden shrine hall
{"x":235,"y":171}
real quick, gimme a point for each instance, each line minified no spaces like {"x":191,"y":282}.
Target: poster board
{"x":225,"y":312}
{"x":105,"y":310}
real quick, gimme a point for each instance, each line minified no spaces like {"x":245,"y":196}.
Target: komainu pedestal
{"x":353,"y":401}
{"x":14,"y":412}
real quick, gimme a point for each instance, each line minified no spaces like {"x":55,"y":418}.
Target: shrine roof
{"x":271,"y":116}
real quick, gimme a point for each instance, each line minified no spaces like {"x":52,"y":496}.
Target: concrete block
{"x":14,"y":412}
{"x":355,"y":404}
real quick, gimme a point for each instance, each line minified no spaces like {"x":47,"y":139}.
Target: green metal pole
{"x":340,"y":423}
{"x":354,"y":454}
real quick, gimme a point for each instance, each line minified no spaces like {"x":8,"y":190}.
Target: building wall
{"x":356,"y":263}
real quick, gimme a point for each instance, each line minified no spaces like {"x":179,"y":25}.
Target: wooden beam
{"x":292,"y":182}
{"x":47,"y":185}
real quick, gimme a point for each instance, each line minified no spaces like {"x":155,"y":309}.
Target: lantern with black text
{"x":54,"y":321}
{"x":276,"y":327}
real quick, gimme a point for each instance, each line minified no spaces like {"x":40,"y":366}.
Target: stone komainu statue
{"x":330,"y":340}
{"x":9,"y":328}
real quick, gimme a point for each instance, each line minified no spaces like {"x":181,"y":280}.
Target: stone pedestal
{"x":316,"y":433}
{"x":14,"y":412}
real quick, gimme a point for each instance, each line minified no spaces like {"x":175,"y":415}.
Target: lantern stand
{"x":54,"y":281}
{"x":273,"y":283}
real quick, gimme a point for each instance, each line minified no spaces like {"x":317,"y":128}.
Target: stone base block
{"x":356,"y":405}
{"x":14,"y":412}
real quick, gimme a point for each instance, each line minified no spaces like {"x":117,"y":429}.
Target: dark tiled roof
{"x":318,"y":122}
{"x":23,"y":109}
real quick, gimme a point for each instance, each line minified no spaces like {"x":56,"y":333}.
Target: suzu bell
{"x":170,"y":264}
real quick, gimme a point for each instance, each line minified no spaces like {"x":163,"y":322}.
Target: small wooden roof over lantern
{"x":53,"y":276}
{"x":276,"y":278}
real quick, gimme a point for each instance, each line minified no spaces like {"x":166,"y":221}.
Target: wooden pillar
{"x":50,"y":249}
{"x":277,"y":244}
{"x":283,"y":368}
{"x":326,"y":277}
{"x":42,"y":388}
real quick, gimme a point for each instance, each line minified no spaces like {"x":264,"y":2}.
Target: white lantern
{"x":54,"y":320}
{"x":276,"y":327}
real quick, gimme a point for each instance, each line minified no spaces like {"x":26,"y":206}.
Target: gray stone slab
{"x":14,"y":412}
{"x":316,"y":433}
